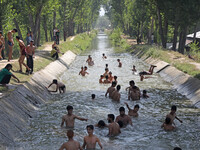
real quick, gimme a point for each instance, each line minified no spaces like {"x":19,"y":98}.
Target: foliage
{"x":80,"y":42}
{"x":168,"y":20}
{"x":116,"y":39}
{"x":42,"y":16}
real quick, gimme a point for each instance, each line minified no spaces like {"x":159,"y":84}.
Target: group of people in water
{"x":114,"y":123}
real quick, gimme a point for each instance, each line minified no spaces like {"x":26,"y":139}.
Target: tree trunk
{"x":70,"y":28}
{"x":54,"y":19}
{"x":160,"y":27}
{"x":195,"y":32}
{"x":1,"y":28}
{"x":51,"y":35}
{"x":38,"y":30}
{"x":165,"y":32}
{"x":150,"y":31}
{"x":182,"y":39}
{"x":175,"y":33}
{"x":18,"y":29}
{"x":64,"y":22}
{"x":45,"y":27}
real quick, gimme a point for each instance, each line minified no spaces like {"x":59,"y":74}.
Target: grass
{"x":117,"y":41}
{"x":181,"y":62}
{"x":79,"y":44}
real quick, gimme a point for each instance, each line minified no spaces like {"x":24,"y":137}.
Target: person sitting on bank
{"x":59,"y":86}
{"x":5,"y":75}
{"x":55,"y":51}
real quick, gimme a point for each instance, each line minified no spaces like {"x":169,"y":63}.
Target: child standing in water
{"x":120,"y":64}
{"x":91,"y":140}
{"x":172,"y":115}
{"x":71,"y":144}
{"x":133,"y":112}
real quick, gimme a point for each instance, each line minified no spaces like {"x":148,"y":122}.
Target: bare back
{"x":110,"y":90}
{"x":71,"y":145}
{"x":116,"y":95}
{"x":125,"y":119}
{"x":114,"y":129}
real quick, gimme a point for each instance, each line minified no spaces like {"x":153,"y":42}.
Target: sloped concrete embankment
{"x":17,"y":106}
{"x":184,"y":83}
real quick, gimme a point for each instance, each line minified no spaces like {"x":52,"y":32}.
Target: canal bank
{"x":184,"y":83}
{"x":19,"y":105}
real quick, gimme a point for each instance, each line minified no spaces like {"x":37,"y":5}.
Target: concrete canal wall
{"x":184,"y":83}
{"x":18,"y":105}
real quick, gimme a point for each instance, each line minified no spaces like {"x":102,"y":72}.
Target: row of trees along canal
{"x":168,"y":20}
{"x":42,"y":16}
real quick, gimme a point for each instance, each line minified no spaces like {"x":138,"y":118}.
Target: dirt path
{"x":38,"y":54}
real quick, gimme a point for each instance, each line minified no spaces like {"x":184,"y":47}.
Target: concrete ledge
{"x":17,"y":106}
{"x":184,"y":83}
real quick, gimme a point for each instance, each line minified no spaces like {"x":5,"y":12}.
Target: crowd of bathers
{"x":114,"y":123}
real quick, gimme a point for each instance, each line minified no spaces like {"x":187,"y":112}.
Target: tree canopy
{"x":169,"y":20}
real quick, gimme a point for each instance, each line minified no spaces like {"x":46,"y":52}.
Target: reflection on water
{"x":146,"y":134}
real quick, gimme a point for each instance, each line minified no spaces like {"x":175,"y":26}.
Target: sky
{"x":102,"y":12}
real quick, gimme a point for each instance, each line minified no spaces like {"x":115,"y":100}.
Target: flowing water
{"x":145,"y":134}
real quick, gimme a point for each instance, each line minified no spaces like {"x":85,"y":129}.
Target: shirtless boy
{"x":107,"y":66}
{"x":115,"y":79}
{"x":113,"y":127}
{"x":22,"y":54}
{"x":85,"y":71}
{"x":69,"y":119}
{"x":71,"y":144}
{"x":133,"y":112}
{"x":101,"y":124}
{"x":150,"y":72}
{"x":110,"y":77}
{"x":172,"y":115}
{"x":59,"y":86}
{"x":115,"y":95}
{"x":144,"y":94}
{"x":167,"y":126}
{"x":134,"y":70}
{"x":106,"y":81}
{"x":30,"y":51}
{"x":10,"y":43}
{"x":123,"y":117}
{"x":111,"y":89}
{"x":90,"y":61}
{"x":106,"y":72}
{"x":104,"y":56}
{"x":81,"y":72}
{"x":120,"y":64}
{"x":101,"y":79}
{"x":91,"y":140}
{"x":135,"y":93}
